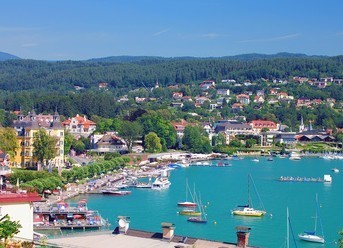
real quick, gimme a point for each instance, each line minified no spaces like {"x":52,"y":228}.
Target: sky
{"x":85,"y":29}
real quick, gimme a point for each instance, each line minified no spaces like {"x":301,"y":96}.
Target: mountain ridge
{"x":134,"y":59}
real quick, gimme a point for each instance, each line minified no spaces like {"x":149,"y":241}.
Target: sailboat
{"x":248,"y":210}
{"x":312,"y":236}
{"x":187,"y":203}
{"x":202,"y":218}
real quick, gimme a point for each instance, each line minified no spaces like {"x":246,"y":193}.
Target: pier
{"x":327,"y":178}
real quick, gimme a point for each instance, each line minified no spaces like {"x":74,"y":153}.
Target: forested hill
{"x":18,"y":75}
{"x":6,"y":56}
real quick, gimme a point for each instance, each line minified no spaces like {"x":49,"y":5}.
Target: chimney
{"x":167,"y":230}
{"x":242,"y":236}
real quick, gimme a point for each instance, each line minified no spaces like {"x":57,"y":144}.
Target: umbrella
{"x":17,"y":182}
{"x":78,"y":216}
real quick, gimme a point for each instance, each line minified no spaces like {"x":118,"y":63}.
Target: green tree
{"x":8,"y":228}
{"x":8,"y":140}
{"x":68,"y":141}
{"x":129,"y":132}
{"x":250,"y":143}
{"x":195,"y":139}
{"x":152,"y":143}
{"x":341,"y":239}
{"x":43,"y":146}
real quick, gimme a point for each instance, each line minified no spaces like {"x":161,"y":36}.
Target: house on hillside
{"x":79,"y":126}
{"x":223,"y":92}
{"x":243,"y":99}
{"x":110,"y":142}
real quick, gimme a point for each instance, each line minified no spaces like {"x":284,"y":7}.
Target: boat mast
{"x":287,"y":239}
{"x":249,"y":200}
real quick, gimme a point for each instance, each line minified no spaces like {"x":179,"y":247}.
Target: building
{"x":258,"y":125}
{"x":19,"y":207}
{"x":27,"y":126}
{"x":110,"y":143}
{"x":79,"y":126}
{"x":243,"y":99}
{"x":223,"y":92}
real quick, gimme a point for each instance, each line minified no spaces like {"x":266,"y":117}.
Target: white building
{"x":19,"y":207}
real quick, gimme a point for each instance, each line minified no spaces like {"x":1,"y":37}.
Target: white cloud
{"x":160,"y":32}
{"x":277,"y":38}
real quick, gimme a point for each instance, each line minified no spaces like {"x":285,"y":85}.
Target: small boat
{"x":190,"y":212}
{"x":312,"y":236}
{"x":335,"y":170}
{"x":199,"y":219}
{"x":294,"y":156}
{"x":248,"y":210}
{"x":255,"y":160}
{"x":116,"y":192}
{"x":161,"y":183}
{"x":270,"y":159}
{"x":188,"y":203}
{"x":143,"y":185}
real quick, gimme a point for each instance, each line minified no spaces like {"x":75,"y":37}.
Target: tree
{"x":43,"y":146}
{"x":341,"y":239}
{"x":8,"y":140}
{"x":8,"y":228}
{"x":129,"y":132}
{"x":68,"y":141}
{"x":250,"y":143}
{"x":196,"y":140}
{"x":152,"y":143}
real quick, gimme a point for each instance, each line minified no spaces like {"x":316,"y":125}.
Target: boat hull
{"x":186,"y":204}
{"x":190,"y":213}
{"x":197,"y":220}
{"x":311,"y":238}
{"x":250,"y":213}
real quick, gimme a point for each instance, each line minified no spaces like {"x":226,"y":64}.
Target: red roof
{"x":19,"y":197}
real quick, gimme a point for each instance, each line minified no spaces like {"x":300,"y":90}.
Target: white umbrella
{"x":18,"y":182}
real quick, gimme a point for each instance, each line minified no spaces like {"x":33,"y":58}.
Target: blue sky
{"x":84,"y":29}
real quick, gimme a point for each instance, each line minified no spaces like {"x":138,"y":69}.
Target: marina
{"x":222,"y":189}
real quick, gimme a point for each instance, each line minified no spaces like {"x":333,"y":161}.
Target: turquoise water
{"x":222,"y":188}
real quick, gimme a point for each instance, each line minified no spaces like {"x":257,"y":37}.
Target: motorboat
{"x":116,"y":192}
{"x":335,"y":170}
{"x":161,"y":183}
{"x":248,"y":211}
{"x":294,"y":156}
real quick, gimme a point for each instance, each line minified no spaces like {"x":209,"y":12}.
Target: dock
{"x":326,"y":179}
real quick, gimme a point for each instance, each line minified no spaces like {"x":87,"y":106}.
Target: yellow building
{"x":26,"y":126}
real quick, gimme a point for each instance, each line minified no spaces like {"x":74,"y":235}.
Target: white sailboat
{"x":313,"y":236}
{"x":248,"y":210}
